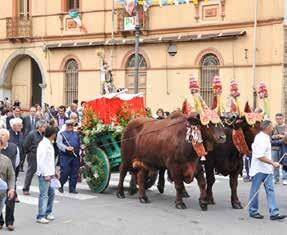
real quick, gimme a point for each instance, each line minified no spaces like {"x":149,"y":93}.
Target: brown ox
{"x":227,"y":160}
{"x":161,"y":144}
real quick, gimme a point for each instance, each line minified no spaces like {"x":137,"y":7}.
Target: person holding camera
{"x":68,"y":142}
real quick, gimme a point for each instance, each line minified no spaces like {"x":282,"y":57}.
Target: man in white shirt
{"x":261,"y":172}
{"x":45,"y":172}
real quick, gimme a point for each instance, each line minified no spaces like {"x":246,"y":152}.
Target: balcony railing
{"x":19,"y":27}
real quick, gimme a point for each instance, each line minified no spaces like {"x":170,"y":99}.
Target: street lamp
{"x":172,"y":50}
{"x":254,"y":55}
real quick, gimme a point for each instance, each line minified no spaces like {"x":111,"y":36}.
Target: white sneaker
{"x":50,"y":217}
{"x":43,"y":221}
{"x":284,"y":182}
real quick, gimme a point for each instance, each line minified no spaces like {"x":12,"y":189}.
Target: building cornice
{"x":163,"y":31}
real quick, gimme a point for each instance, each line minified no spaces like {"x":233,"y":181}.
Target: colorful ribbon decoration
{"x":131,"y":4}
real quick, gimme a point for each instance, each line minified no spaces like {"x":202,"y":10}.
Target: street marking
{"x":68,"y":221}
{"x":78,"y":196}
{"x":30,"y":200}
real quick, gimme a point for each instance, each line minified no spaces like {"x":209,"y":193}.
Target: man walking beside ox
{"x":261,"y":172}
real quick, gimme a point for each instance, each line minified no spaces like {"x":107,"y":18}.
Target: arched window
{"x":72,"y":5}
{"x":130,"y":74}
{"x":71,"y":81}
{"x":209,"y":69}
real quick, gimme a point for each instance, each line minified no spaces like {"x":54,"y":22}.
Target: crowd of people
{"x":48,"y":136}
{"x":44,"y":138}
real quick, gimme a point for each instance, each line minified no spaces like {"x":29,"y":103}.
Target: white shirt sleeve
{"x":41,"y":158}
{"x":17,"y":161}
{"x":259,"y":148}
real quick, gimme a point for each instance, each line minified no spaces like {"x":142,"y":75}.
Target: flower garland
{"x":94,"y":169}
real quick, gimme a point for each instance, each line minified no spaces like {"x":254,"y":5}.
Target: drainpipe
{"x":137,"y":42}
{"x":254,"y":54}
{"x":113,"y":33}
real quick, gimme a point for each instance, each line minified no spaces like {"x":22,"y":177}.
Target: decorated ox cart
{"x":104,"y":121}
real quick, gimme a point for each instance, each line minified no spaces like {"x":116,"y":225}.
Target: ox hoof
{"x":160,"y":189}
{"x":203,"y":205}
{"x":121,"y":195}
{"x":133,"y":191}
{"x":237,"y":205}
{"x":144,"y":200}
{"x":210,"y":201}
{"x":185,"y":194}
{"x":180,"y":205}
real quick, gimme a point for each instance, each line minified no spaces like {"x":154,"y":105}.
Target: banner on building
{"x":129,"y":23}
{"x":76,"y":17}
{"x":131,"y":4}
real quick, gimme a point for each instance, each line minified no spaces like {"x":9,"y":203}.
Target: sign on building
{"x":129,"y":23}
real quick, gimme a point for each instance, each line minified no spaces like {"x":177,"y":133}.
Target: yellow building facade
{"x":46,"y":57}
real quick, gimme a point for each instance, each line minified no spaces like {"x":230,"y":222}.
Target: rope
{"x":249,"y":202}
{"x":127,"y":139}
{"x":133,"y":137}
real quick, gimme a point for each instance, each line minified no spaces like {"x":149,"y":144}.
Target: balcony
{"x":19,"y":28}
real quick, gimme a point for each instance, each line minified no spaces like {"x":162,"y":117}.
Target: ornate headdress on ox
{"x":217,"y":91}
{"x":206,"y":114}
{"x":234,"y":98}
{"x":263,"y":96}
{"x":251,"y":118}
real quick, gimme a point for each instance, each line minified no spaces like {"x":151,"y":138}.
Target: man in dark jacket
{"x":16,"y":113}
{"x":68,"y":143}
{"x":29,"y":122}
{"x":30,"y":148}
{"x":61,"y":118}
{"x":17,"y":137}
{"x":12,"y":152}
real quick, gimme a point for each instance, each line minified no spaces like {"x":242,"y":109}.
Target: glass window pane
{"x":209,"y":69}
{"x":131,"y":62}
{"x":71,"y":82}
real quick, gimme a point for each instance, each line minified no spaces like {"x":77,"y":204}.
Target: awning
{"x":150,"y":40}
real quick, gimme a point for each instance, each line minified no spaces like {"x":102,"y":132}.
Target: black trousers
{"x":9,"y":215}
{"x":32,"y":168}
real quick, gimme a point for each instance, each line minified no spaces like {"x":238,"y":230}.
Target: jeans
{"x":247,"y":163}
{"x":46,"y":198}
{"x":276,"y":155}
{"x":257,"y":180}
{"x":2,"y":201}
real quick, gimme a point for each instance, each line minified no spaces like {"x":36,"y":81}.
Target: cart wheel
{"x":99,"y":172}
{"x":151,"y":179}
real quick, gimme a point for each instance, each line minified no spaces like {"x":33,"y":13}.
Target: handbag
{"x":55,"y":183}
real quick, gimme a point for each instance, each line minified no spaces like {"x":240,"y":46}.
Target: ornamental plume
{"x":217,"y":86}
{"x":262,"y":91}
{"x":234,"y":91}
{"x":193,"y":85}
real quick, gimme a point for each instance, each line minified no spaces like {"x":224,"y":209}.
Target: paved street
{"x":88,"y":213}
